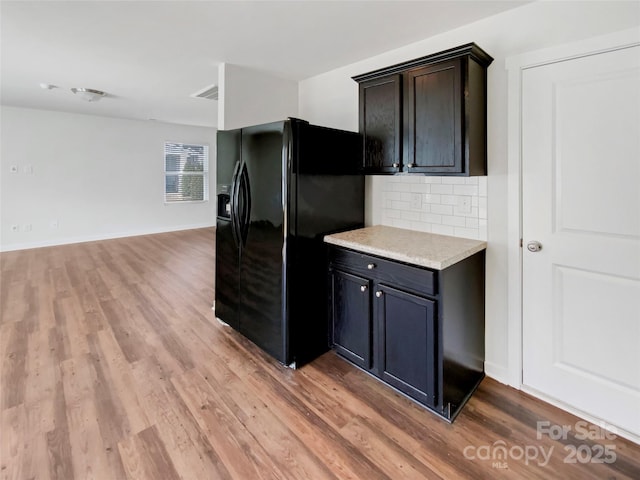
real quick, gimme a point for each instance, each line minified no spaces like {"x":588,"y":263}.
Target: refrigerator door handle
{"x":235,"y":194}
{"x":245,"y":216}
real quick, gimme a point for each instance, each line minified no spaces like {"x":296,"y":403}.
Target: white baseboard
{"x":497,"y":372}
{"x":579,"y":413}
{"x":103,"y":236}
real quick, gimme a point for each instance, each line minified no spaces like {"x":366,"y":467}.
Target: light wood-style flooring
{"x":114,"y":367}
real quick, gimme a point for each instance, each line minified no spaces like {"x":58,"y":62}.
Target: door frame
{"x":515,"y":66}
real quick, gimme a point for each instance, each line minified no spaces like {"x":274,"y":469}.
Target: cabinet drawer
{"x":413,"y":279}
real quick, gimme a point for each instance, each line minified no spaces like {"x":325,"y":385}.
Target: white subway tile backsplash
{"x":442,"y":209}
{"x":443,"y":189}
{"x":482,"y":186}
{"x":401,"y":223}
{"x":466,"y":232}
{"x":448,"y":205}
{"x":431,"y":217}
{"x":453,"y":180}
{"x":421,"y":226}
{"x":470,"y":222}
{"x":432,"y":179}
{"x":461,"y":212}
{"x":482,"y":230}
{"x":411,"y":215}
{"x":390,"y":213}
{"x":465,"y":189}
{"x":421,"y":187}
{"x":392,"y":196}
{"x":455,"y":221}
{"x":449,"y":200}
{"x":431,"y":198}
{"x":482,"y":207}
{"x":399,"y":205}
{"x":443,"y":229}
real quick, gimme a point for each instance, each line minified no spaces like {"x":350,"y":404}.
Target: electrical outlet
{"x":54,"y":224}
{"x":28,"y":169}
{"x":26,"y":227}
{"x":416,"y":201}
{"x":464,"y":204}
{"x":15,"y":228}
{"x":13,"y":169}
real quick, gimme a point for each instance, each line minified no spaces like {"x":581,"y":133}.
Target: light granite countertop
{"x":409,"y":246}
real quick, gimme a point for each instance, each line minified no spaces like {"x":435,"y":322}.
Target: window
{"x":186,"y":173}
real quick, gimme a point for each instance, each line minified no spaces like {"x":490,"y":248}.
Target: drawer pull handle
{"x":371,"y":266}
{"x":379,"y":293}
{"x":395,"y":165}
{"x":363,"y":288}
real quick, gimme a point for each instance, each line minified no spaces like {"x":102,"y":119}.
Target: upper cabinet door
{"x":381,"y":124}
{"x":434,"y":119}
{"x":427,"y":116}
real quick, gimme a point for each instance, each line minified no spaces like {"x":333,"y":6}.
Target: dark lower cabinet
{"x":419,"y":330}
{"x":351,"y":326}
{"x":407,"y":342}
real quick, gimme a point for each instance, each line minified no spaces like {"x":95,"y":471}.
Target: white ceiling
{"x":150,"y":56}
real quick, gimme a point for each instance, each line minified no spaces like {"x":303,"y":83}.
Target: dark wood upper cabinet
{"x":428,"y":115}
{"x":381,"y":123}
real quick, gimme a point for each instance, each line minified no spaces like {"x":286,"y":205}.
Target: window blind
{"x":186,"y":172}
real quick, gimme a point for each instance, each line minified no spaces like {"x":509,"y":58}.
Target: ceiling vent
{"x":210,"y":93}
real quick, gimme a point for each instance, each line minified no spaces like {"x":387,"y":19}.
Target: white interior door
{"x":581,"y":201}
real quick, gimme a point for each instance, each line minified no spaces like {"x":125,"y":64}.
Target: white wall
{"x":250,"y":97}
{"x":332,"y":99}
{"x":98,"y":177}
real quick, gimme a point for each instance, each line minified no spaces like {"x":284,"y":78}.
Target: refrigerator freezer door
{"x":227,"y":287}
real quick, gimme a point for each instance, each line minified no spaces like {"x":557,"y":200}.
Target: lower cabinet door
{"x":408,"y":342}
{"x":351,"y":317}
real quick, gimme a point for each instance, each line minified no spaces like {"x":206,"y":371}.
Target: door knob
{"x":379,"y":293}
{"x":363,"y":288}
{"x":534,"y":246}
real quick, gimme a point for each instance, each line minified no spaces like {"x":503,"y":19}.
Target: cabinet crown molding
{"x":470,"y":49}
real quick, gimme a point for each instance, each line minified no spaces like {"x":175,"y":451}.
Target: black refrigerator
{"x":281,"y":187}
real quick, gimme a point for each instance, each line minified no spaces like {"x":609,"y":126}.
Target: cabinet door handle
{"x":379,"y":293}
{"x":395,"y":165}
{"x":363,"y":288}
{"x":411,"y":165}
{"x":371,"y":266}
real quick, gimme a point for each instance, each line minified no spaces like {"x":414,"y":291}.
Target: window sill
{"x":186,"y":202}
